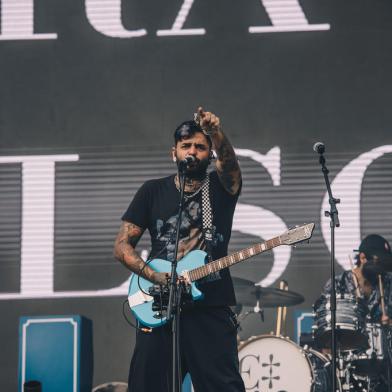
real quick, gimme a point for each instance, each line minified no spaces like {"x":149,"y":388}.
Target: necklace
{"x":194,"y":193}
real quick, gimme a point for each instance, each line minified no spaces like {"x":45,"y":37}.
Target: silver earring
{"x":174,"y":159}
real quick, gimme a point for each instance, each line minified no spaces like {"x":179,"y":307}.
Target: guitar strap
{"x":207,"y":216}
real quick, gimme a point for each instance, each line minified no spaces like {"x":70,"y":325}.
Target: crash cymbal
{"x":247,"y":294}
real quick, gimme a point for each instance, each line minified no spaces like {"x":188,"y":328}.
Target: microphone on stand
{"x":334,"y":217}
{"x":319,"y":147}
{"x":188,"y":160}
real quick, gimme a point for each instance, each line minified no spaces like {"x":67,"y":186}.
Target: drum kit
{"x":275,"y":363}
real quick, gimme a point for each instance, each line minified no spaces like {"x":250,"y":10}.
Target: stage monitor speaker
{"x":57,"y":352}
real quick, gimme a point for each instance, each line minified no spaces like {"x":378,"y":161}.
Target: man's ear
{"x":173,"y":153}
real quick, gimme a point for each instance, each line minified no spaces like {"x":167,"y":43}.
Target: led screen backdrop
{"x":90,"y":94}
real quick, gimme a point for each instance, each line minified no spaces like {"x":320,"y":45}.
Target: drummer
{"x":374,"y":258}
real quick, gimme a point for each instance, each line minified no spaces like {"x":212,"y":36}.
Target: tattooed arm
{"x":227,"y":165}
{"x":124,"y":251}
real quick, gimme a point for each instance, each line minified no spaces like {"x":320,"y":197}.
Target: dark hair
{"x":186,"y":130}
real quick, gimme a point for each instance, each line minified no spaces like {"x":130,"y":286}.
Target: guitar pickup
{"x":160,"y":295}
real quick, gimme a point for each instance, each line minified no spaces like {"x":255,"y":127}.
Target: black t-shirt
{"x":155,"y":207}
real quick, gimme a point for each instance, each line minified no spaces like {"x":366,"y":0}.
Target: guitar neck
{"x":234,"y":258}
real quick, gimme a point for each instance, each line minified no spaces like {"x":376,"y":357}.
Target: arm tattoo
{"x":227,"y":165}
{"x":124,"y":249}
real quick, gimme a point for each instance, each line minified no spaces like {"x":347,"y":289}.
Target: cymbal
{"x":247,"y":294}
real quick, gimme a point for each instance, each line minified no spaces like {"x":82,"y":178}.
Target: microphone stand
{"x":334,"y":222}
{"x":173,"y":307}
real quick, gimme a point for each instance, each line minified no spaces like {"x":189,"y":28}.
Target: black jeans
{"x":209,"y":353}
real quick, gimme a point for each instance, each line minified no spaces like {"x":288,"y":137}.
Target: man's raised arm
{"x":227,"y":165}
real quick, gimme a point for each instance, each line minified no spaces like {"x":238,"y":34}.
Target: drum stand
{"x":386,"y":335}
{"x":333,"y":215}
{"x":388,"y":357}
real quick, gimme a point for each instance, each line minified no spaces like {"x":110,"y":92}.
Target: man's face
{"x":362,"y":259}
{"x":196,"y":146}
{"x":370,"y":268}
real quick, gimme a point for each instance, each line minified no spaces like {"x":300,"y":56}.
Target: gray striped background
{"x":92,"y":194}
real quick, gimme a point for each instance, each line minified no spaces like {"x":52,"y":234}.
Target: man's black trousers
{"x":208,"y":343}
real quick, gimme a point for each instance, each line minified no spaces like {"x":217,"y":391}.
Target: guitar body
{"x":141,"y":304}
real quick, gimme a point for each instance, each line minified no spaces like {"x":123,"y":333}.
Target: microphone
{"x":319,"y":147}
{"x":187,"y":160}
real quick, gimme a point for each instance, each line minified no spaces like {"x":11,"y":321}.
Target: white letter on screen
{"x":105,"y":17}
{"x":37,"y":237}
{"x":286,"y":15}
{"x":179,"y":23}
{"x":17,"y":21}
{"x":347,"y":187}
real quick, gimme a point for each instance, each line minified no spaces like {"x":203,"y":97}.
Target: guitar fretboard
{"x":232,"y":259}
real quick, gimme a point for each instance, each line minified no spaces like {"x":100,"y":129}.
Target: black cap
{"x":375,"y":245}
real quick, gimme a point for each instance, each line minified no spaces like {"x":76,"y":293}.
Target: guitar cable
{"x":147,"y":262}
{"x":151,"y":258}
{"x":142,"y":329}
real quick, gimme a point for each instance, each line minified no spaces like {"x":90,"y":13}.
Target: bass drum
{"x":276,"y":364}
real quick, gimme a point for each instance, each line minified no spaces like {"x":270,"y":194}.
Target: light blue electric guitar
{"x":193,"y":266}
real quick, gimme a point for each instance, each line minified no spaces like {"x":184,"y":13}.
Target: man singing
{"x":208,"y":328}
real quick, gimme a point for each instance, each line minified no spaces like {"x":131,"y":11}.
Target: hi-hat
{"x":247,"y":294}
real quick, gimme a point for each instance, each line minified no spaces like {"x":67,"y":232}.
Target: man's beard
{"x":370,"y":271}
{"x":197,"y":170}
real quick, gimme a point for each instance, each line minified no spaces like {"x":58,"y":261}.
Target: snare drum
{"x":350,"y":322}
{"x":275,"y":364}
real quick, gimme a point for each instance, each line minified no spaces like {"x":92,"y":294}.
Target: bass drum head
{"x":274,"y":364}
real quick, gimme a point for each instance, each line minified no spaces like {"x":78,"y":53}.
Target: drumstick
{"x":285,"y":313}
{"x":356,"y":284}
{"x":381,"y":287}
{"x":279,"y":313}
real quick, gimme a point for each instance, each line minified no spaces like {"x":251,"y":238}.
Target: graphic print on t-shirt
{"x":154,"y":208}
{"x":191,"y":236}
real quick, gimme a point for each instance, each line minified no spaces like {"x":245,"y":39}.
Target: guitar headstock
{"x":297,"y":234}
